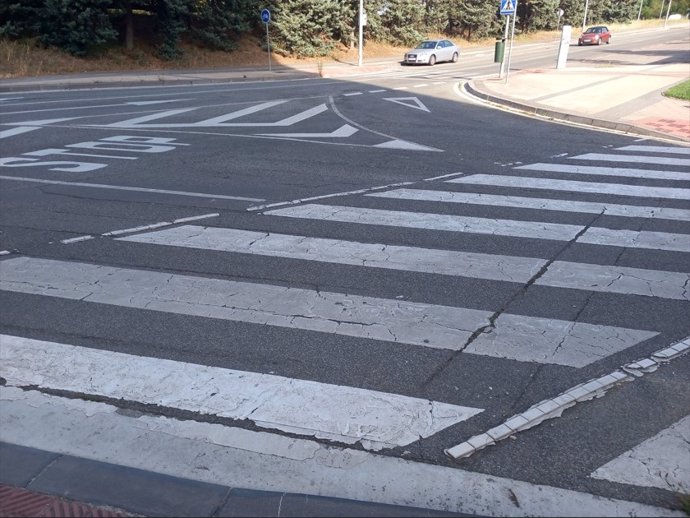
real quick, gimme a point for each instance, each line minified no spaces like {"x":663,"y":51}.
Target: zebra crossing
{"x":349,"y":414}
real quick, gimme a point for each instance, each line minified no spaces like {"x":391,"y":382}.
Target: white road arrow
{"x":342,"y":132}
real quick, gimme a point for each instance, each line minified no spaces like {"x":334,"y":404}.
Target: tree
{"x":473,"y":19}
{"x":218,"y":23}
{"x":20,"y":19}
{"x":76,"y":26}
{"x":537,"y":15}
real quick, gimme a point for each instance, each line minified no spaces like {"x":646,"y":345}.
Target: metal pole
{"x":361,"y":35}
{"x":661,"y":11}
{"x":505,"y":37}
{"x":584,"y":20}
{"x":639,"y":13}
{"x":668,"y":12}
{"x":510,"y":50}
{"x":268,"y":44}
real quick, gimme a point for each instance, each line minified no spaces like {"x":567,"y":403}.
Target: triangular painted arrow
{"x":410,"y":102}
{"x":342,"y":132}
{"x":404,"y":144}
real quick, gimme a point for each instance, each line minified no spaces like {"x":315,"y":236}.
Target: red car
{"x":595,"y":36}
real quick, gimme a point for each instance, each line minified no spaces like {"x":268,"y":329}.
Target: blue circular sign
{"x":265,"y":15}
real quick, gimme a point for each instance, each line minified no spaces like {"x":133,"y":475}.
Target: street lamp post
{"x":668,"y":13}
{"x":661,"y":11}
{"x":639,"y":13}
{"x":361,"y":30}
{"x":584,"y":20}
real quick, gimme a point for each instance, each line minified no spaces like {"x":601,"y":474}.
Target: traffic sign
{"x":265,"y":15}
{"x":508,"y":7}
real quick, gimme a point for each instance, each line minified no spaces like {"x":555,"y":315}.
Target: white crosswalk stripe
{"x":333,"y":412}
{"x":614,"y":279}
{"x":521,"y":202}
{"x":516,"y":337}
{"x":656,"y":149}
{"x":642,"y":191}
{"x":348,"y":414}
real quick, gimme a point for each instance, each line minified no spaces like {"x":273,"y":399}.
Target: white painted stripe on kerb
{"x":652,"y":174}
{"x":127,"y":188}
{"x":662,"y":461}
{"x":519,"y":202}
{"x":452,"y":223}
{"x":638,"y":159}
{"x":590,"y":277}
{"x":236,"y":457}
{"x":656,"y":149}
{"x":530,"y":339}
{"x":334,"y":412}
{"x":640,"y":191}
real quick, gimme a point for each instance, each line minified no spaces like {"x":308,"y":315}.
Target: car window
{"x":427,"y":45}
{"x":590,"y":30}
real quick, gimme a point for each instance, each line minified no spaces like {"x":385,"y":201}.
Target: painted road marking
{"x":610,"y":209}
{"x":267,"y":461}
{"x":522,"y":338}
{"x":635,"y":239}
{"x":496,"y":227}
{"x":428,"y":221}
{"x":592,"y":277}
{"x":640,"y":191}
{"x":410,"y":102}
{"x":662,"y":461}
{"x":656,"y":149}
{"x":133,"y":189}
{"x":638,"y":159}
{"x":334,"y":412}
{"x":17,"y":131}
{"x":608,"y":171}
{"x":343,"y":132}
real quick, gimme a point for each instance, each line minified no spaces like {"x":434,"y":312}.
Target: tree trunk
{"x":129,"y":26}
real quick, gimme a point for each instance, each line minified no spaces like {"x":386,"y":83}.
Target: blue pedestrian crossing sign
{"x":508,"y":6}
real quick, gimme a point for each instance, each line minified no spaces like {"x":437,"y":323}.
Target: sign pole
{"x":510,"y":49}
{"x":505,"y":37}
{"x":266,"y":18}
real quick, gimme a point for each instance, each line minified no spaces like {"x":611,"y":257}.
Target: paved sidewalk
{"x":625,"y":98}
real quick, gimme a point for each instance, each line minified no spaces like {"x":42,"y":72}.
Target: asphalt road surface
{"x":382,"y":267}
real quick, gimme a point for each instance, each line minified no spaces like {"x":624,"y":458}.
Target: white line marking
{"x":402,"y":88}
{"x":41,"y":122}
{"x":76,"y":240}
{"x":410,"y":102}
{"x":196,"y":218}
{"x":443,"y":176}
{"x":220,"y":120}
{"x":137,"y":229}
{"x":325,"y":196}
{"x":377,"y":91}
{"x":640,"y":191}
{"x":634,"y":239}
{"x":420,"y":85}
{"x":334,"y":412}
{"x":17,"y":131}
{"x":271,"y":462}
{"x":350,"y":94}
{"x":5,"y":252}
{"x":662,"y":461}
{"x":522,"y":338}
{"x":148,"y":103}
{"x":344,"y":131}
{"x":656,"y":149}
{"x":446,"y":222}
{"x":403,"y":144}
{"x":608,"y":171}
{"x":639,"y":159}
{"x":498,"y":227}
{"x":592,"y":277}
{"x":125,"y":188}
{"x":138,"y":121}
{"x":628,"y":211}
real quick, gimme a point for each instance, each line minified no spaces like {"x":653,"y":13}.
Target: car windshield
{"x":426,"y":45}
{"x":592,"y":30}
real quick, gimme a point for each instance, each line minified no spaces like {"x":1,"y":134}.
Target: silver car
{"x":430,"y":52}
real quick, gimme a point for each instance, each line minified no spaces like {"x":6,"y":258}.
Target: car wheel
{"x":432,"y":60}
{"x":454,"y":59}
{"x":608,"y":41}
